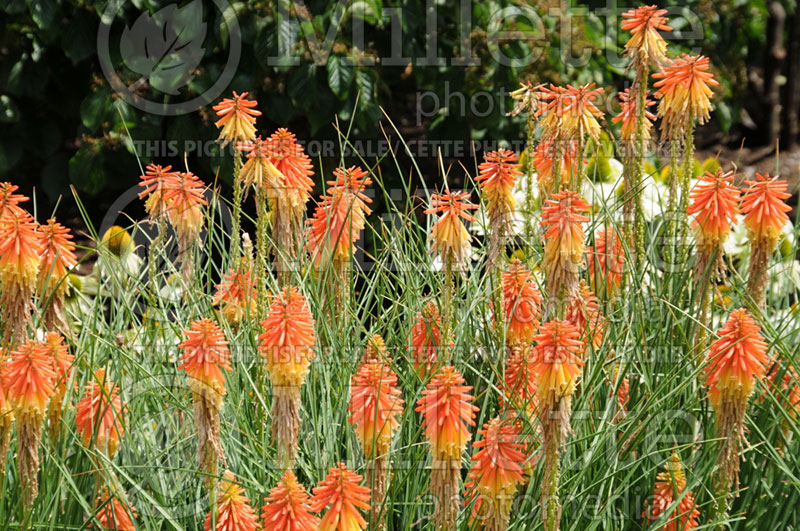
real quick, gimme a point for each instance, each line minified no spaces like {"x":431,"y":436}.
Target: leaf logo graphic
{"x":165,"y":47}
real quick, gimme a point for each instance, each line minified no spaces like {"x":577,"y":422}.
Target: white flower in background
{"x":655,"y":198}
{"x":737,"y":245}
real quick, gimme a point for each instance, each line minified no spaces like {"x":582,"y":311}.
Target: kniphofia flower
{"x":685,"y":93}
{"x":233,"y":511}
{"x":558,"y":361}
{"x":628,"y":116}
{"x":670,"y":486}
{"x":287,"y":346}
{"x":644,"y":23}
{"x":765,"y":214}
{"x":426,"y":338}
{"x":237,"y":118}
{"x":546,"y":152}
{"x":521,"y":304}
{"x":10,"y":200}
{"x":258,"y":170}
{"x":114,"y":511}
{"x":236,"y":295}
{"x":154,"y":183}
{"x":562,"y":219}
{"x":99,"y":416}
{"x":585,"y":313}
{"x":498,"y":175}
{"x":185,"y":202}
{"x":344,"y":498}
{"x":287,"y":508}
{"x":520,"y":380}
{"x":20,"y":257}
{"x":553,"y":104}
{"x":580,"y":113}
{"x":496,"y":472}
{"x":375,"y":405}
{"x":28,"y":378}
{"x":606,"y":262}
{"x":375,"y":349}
{"x":57,"y":260}
{"x":340,"y":217}
{"x":526,"y":98}
{"x":449,"y":237}
{"x":292,"y":162}
{"x":62,"y":365}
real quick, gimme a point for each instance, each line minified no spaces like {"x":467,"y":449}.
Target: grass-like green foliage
{"x":608,"y":468}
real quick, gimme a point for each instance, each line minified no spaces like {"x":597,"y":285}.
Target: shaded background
{"x":63,"y":125}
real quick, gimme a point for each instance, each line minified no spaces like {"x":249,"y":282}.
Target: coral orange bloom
{"x":426,"y":338}
{"x":205,"y":357}
{"x":786,"y":389}
{"x":343,"y":496}
{"x":258,"y":170}
{"x":184,"y":197}
{"x":449,"y":237}
{"x":562,"y":219}
{"x":375,"y":404}
{"x":551,"y":111}
{"x":236,"y":295}
{"x":57,"y":257}
{"x":496,"y":472}
{"x":606,"y":262}
{"x":546,"y":152}
{"x":584,"y":312}
{"x":685,"y":93}
{"x":99,"y":416}
{"x":341,"y":216}
{"x":521,"y":304}
{"x":115,"y":512}
{"x":20,"y":258}
{"x":670,"y":486}
{"x":9,"y":200}
{"x":446,"y":405}
{"x":287,"y":507}
{"x":737,"y":358}
{"x":237,"y":118}
{"x":154,"y":182}
{"x":581,"y":114}
{"x":520,"y":380}
{"x":292,"y":162}
{"x":233,"y":511}
{"x":764,"y":206}
{"x":499,"y":172}
{"x":62,"y":366}
{"x":288,"y":339}
{"x":644,"y":23}
{"x":628,"y":117}
{"x":558,"y":361}
{"x":715,"y":203}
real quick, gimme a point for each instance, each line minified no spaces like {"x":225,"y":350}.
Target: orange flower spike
{"x":9,"y":200}
{"x":237,"y":118}
{"x":59,"y":353}
{"x":670,"y":486}
{"x":581,"y":114}
{"x":498,"y":174}
{"x":58,"y":256}
{"x":685,"y":92}
{"x":627,"y":115}
{"x":606,"y":262}
{"x":20,"y":250}
{"x":184,"y":197}
{"x":115,"y":513}
{"x":584,"y":312}
{"x":715,"y":202}
{"x":375,"y":405}
{"x":496,"y":471}
{"x":522,"y":304}
{"x":764,"y":206}
{"x":543,"y":162}
{"x":154,"y":183}
{"x":344,"y":496}
{"x":99,"y":415}
{"x":288,"y":339}
{"x":520,"y":380}
{"x":426,"y":337}
{"x":562,"y":219}
{"x":236,"y":294}
{"x":205,"y":357}
{"x":28,"y":379}
{"x":446,"y":405}
{"x":551,"y":111}
{"x":449,"y":236}
{"x":644,"y":23}
{"x":233,"y":508}
{"x":737,"y":358}
{"x":292,"y":162}
{"x":558,"y":361}
{"x":258,"y":170}
{"x":287,"y":507}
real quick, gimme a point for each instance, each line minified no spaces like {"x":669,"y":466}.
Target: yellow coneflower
{"x":342,"y":493}
{"x":736,"y":360}
{"x":448,"y":413}
{"x":670,"y":486}
{"x":557,"y":366}
{"x":114,"y":511}
{"x":28,"y":379}
{"x":57,"y":260}
{"x":375,"y":405}
{"x":765,"y":213}
{"x":117,"y":241}
{"x":496,"y":473}
{"x":20,"y":258}
{"x":205,"y":358}
{"x":62,"y":365}
{"x":287,"y":345}
{"x":233,"y":511}
{"x":287,"y":507}
{"x":99,"y":416}
{"x":563,"y":218}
